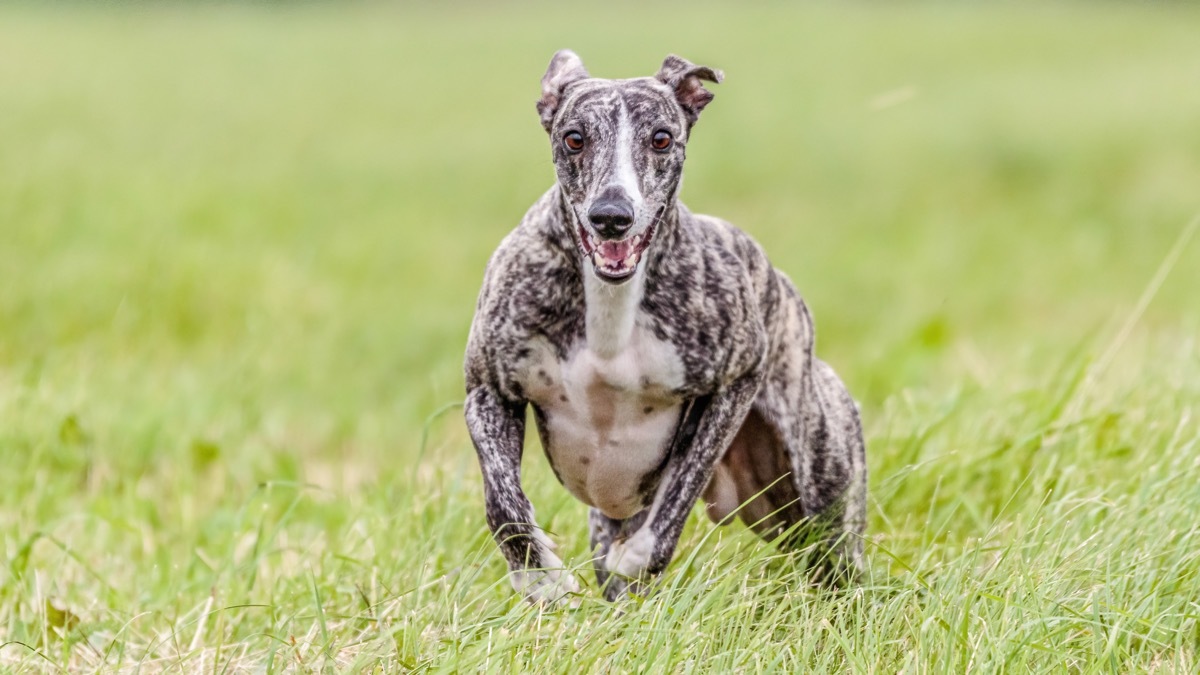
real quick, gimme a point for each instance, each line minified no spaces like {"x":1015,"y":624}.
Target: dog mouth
{"x":616,"y":261}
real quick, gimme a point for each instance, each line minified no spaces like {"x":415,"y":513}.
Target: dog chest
{"x":607,"y":421}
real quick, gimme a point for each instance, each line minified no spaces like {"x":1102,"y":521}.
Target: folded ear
{"x":565,"y":68}
{"x":684,"y":77}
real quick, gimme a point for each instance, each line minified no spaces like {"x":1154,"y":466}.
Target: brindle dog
{"x":664,"y":358}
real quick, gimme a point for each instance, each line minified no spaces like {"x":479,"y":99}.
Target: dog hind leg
{"x":840,"y":485}
{"x":799,"y":468}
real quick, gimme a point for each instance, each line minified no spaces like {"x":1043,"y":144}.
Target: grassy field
{"x":239,"y":252}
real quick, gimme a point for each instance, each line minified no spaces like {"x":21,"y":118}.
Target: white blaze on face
{"x":623,"y":173}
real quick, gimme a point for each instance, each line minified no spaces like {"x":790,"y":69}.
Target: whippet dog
{"x":664,"y":359}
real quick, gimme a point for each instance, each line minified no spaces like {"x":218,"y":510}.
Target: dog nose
{"x":612,"y":218}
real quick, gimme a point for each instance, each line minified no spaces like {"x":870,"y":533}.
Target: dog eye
{"x":661,"y":140}
{"x":573,"y":141}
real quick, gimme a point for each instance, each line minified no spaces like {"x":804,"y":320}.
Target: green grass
{"x":239,"y":251}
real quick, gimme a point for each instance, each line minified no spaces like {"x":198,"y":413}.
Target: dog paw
{"x":548,"y":587}
{"x":631,"y":557}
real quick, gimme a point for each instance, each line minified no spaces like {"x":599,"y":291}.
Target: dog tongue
{"x":616,"y":250}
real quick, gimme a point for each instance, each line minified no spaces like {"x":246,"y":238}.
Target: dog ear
{"x":684,"y":77}
{"x":565,"y":68}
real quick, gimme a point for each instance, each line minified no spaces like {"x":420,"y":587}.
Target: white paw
{"x":552,"y":585}
{"x":547,"y":587}
{"x":631,"y":557}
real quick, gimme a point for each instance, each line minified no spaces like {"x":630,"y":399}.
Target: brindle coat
{"x":665,"y":360}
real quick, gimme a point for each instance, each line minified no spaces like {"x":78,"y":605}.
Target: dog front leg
{"x":604,"y":531}
{"x":497,"y":429}
{"x":647,"y":551}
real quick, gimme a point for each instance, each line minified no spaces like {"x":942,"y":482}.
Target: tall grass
{"x":239,"y":249}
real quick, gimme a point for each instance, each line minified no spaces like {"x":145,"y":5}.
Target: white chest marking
{"x":610,"y":409}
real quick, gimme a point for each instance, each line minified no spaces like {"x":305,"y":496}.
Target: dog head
{"x":618,"y":150}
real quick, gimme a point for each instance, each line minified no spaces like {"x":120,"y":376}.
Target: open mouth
{"x":616,"y":261}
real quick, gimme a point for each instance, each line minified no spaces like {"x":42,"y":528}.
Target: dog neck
{"x":610,"y":311}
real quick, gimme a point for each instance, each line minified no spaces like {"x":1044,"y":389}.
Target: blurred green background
{"x":240,"y":247}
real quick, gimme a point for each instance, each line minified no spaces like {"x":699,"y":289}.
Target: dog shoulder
{"x":749,"y":254}
{"x":705,"y":301}
{"x":776,"y":300}
{"x":526,"y":292}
